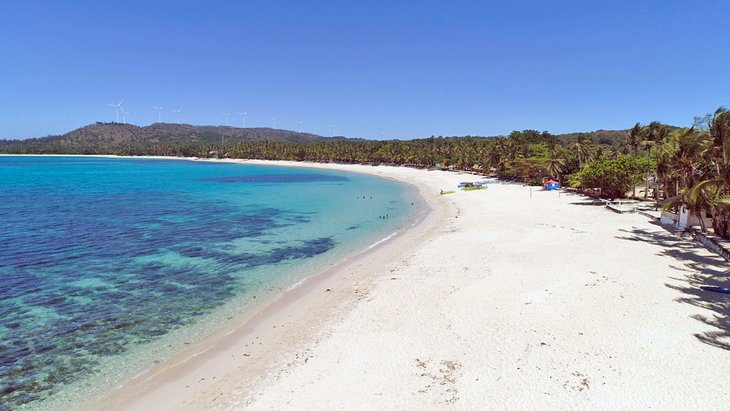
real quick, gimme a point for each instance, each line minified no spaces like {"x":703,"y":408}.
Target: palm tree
{"x":711,"y":193}
{"x":698,"y":199}
{"x":656,"y":131}
{"x":686,"y":147}
{"x":512,"y":149}
{"x":463,"y":157}
{"x":636,"y":135}
{"x":650,"y":137}
{"x":720,"y":135}
{"x":582,"y":149}
{"x":555,"y":166}
{"x":665,"y":167}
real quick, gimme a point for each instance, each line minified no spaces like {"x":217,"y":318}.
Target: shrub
{"x":614,"y":177}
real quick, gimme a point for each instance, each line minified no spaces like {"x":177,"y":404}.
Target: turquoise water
{"x":107,"y":265}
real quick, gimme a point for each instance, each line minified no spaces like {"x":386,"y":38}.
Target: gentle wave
{"x":381,"y":241}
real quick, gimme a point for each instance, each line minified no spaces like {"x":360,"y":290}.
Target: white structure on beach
{"x":685,"y":218}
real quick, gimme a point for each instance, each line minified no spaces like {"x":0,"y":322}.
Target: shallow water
{"x":101,"y":258}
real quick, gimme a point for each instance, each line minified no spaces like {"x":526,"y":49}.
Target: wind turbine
{"x":118,"y":107}
{"x":228,"y":116}
{"x":274,"y":120}
{"x":159,"y":112}
{"x":334,"y":127}
{"x":243,"y":116}
{"x":124,"y":115}
{"x":177,"y":114}
{"x":299,"y":126}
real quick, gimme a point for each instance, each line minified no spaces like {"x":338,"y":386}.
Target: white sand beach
{"x":498,"y":299}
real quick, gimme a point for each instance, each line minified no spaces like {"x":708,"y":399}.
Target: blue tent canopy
{"x":552,"y":185}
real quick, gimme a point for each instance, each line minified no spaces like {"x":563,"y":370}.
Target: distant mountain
{"x":105,"y":138}
{"x":111,"y":135}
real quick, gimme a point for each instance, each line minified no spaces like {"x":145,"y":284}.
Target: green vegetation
{"x":689,"y":166}
{"x":693,"y":168}
{"x":613,"y":177}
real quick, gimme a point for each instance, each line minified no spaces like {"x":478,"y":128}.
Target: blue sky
{"x":392,"y":69}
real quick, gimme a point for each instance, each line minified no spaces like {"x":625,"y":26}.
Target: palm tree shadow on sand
{"x":701,"y":268}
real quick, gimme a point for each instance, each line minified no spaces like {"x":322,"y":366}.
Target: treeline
{"x":687,"y":167}
{"x":525,"y":155}
{"x":690,"y":166}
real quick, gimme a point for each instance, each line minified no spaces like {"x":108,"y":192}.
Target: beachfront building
{"x":685,"y":218}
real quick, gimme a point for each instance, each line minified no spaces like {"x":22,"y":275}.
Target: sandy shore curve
{"x":506,"y":298}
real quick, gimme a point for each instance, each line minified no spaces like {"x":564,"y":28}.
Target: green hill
{"x":105,"y":136}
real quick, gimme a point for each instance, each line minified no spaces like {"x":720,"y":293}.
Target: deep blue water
{"x":102,"y":256}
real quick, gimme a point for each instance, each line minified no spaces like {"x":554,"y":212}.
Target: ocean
{"x":108,"y":264}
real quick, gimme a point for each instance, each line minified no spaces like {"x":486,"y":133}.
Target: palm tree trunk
{"x":703,"y":226}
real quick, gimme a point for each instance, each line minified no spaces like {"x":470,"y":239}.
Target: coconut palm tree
{"x":699,"y":198}
{"x":655,"y":132}
{"x":713,"y":192}
{"x":582,"y":148}
{"x":665,"y":171}
{"x":686,"y":152}
{"x":636,"y":135}
{"x":720,"y":135}
{"x":513,"y":150}
{"x":554,"y":167}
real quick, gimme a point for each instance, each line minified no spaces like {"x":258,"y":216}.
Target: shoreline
{"x":214,"y":355}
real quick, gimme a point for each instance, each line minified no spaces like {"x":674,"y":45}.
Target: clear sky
{"x":375,"y":68}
